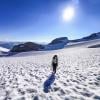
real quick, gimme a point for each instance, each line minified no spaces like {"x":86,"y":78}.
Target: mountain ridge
{"x":56,"y":43}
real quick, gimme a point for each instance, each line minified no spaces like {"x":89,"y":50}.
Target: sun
{"x":68,"y":13}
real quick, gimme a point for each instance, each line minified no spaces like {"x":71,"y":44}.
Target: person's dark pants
{"x":54,"y":68}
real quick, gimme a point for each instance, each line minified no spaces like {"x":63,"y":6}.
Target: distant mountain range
{"x":8,"y":45}
{"x":87,"y":38}
{"x":57,"y":43}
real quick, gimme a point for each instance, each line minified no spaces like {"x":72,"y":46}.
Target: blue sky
{"x":41,"y":20}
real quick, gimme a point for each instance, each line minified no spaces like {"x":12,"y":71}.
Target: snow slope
{"x":83,"y":43}
{"x":3,"y":49}
{"x":77,"y":78}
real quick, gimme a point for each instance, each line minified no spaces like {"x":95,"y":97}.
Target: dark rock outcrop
{"x":28,"y":46}
{"x":95,"y":46}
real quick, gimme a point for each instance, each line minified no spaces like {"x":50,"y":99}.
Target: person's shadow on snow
{"x":49,"y":82}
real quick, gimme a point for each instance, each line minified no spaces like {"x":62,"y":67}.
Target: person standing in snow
{"x":54,"y":63}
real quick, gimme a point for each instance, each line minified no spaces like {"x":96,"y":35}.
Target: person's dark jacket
{"x":55,"y":63}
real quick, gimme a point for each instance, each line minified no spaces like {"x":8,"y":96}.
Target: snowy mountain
{"x":62,"y":42}
{"x":57,"y":43}
{"x":59,"y":40}
{"x":87,"y":38}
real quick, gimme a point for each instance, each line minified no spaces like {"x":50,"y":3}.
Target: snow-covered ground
{"x":77,"y":77}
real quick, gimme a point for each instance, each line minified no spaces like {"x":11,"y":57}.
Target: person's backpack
{"x":55,"y":60}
